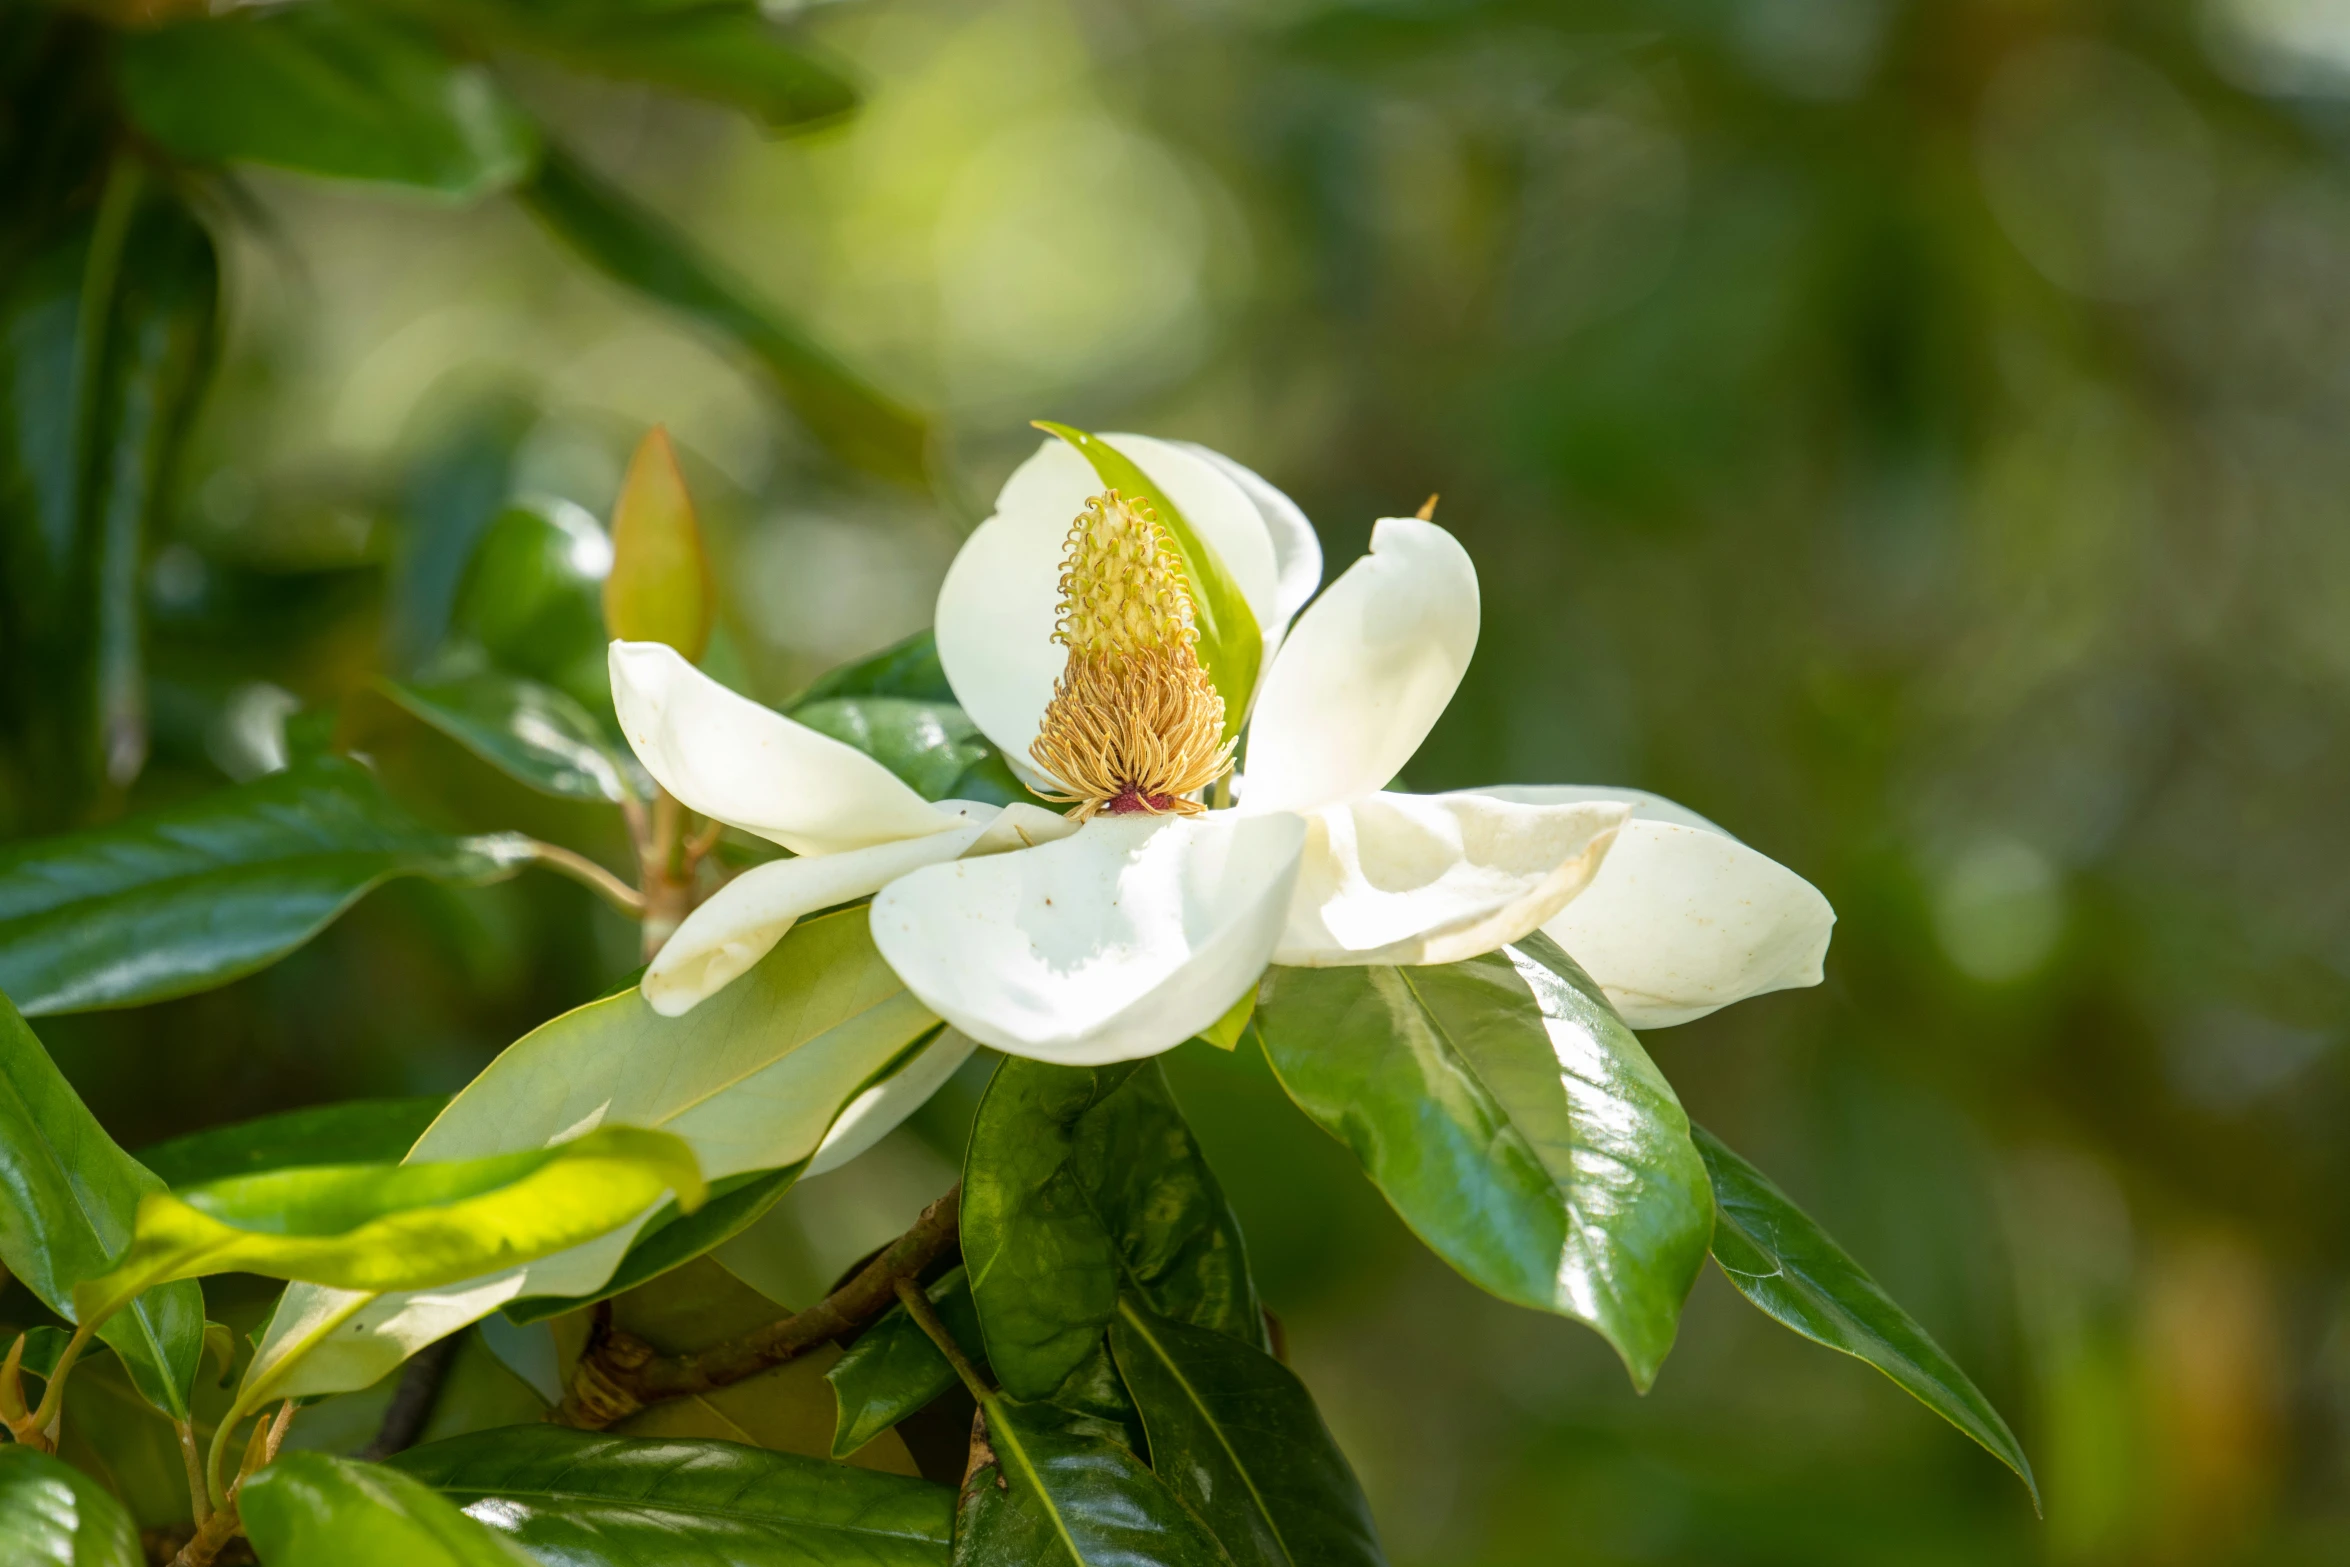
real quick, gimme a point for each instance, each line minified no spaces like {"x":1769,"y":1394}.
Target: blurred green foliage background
{"x":1910,"y":434}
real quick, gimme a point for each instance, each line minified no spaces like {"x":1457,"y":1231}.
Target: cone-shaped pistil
{"x":1135,"y":725}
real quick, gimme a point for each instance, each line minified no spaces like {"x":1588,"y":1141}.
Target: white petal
{"x":876,"y":1112}
{"x":1405,"y":878}
{"x":1683,"y":919}
{"x":1119,"y":942}
{"x":743,"y":920}
{"x":997,"y":605}
{"x":1365,"y":673}
{"x":749,"y":766}
{"x":1297,"y":549}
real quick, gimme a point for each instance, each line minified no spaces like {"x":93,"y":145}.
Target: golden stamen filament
{"x":1134,"y":725}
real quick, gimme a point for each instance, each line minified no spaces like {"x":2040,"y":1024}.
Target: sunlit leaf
{"x":1516,"y":1125}
{"x":1789,"y":1267}
{"x":192,"y":896}
{"x":357,"y":1131}
{"x":574,"y":1496}
{"x":908,"y":669}
{"x":530,"y":732}
{"x":928,"y":744}
{"x":310,"y":1510}
{"x":68,"y":1196}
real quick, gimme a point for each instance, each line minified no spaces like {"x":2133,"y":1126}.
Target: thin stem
{"x":199,"y":1496}
{"x":917,"y":1303}
{"x":37,"y":1424}
{"x":413,"y":1401}
{"x":589,"y":874}
{"x":621,"y":1374}
{"x":698,"y":847}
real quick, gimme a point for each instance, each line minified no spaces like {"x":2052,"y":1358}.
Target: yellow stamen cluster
{"x":1135,"y":724}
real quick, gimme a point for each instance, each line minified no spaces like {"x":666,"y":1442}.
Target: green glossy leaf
{"x":1789,"y":1267}
{"x":673,"y":1239}
{"x":580,"y":1497}
{"x":399,"y":1226}
{"x":641,"y":250}
{"x":1075,"y":1180}
{"x":182,"y":899}
{"x":68,"y":1197}
{"x":357,"y":1131}
{"x":1515,"y":1123}
{"x":53,"y":1515}
{"x":327,"y":87}
{"x":310,"y":1510}
{"x":908,"y":669}
{"x":928,"y":744}
{"x":1057,"y":1496}
{"x":532,"y":598}
{"x":752,"y":1079}
{"x":530,"y":732}
{"x":1235,"y":1434}
{"x":894,"y":1370}
{"x":1231,"y":643}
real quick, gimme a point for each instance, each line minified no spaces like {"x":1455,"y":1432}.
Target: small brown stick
{"x":413,"y":1400}
{"x":215,"y":1532}
{"x":620,"y":1373}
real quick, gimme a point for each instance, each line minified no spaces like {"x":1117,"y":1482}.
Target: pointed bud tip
{"x":660,"y":586}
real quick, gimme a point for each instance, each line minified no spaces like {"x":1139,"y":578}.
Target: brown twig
{"x":216,"y":1531}
{"x":620,"y":1374}
{"x":413,"y":1400}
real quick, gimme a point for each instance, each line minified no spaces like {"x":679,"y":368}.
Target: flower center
{"x":1135,"y":725}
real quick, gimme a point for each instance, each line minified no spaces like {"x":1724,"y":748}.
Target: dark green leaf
{"x":327,"y":87}
{"x":532,"y":597}
{"x":53,"y":1515}
{"x":68,"y":1197}
{"x":639,"y":249}
{"x":528,"y":731}
{"x":578,"y":1497}
{"x":1235,"y":1434}
{"x":358,"y":1131}
{"x":1787,"y":1265}
{"x":309,"y":1510}
{"x":928,"y":744}
{"x":196,"y":895}
{"x":1061,"y":1497}
{"x":908,"y":669}
{"x":894,"y":1369}
{"x":1077,"y":1179}
{"x":1515,"y":1123}
{"x":106,"y":352}
{"x":384,"y":1227}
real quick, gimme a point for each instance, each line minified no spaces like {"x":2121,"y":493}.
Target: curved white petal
{"x":997,"y":605}
{"x":1683,"y":919}
{"x":1436,"y":878}
{"x":750,"y":767}
{"x":1297,"y":549}
{"x":1119,"y":942}
{"x":876,"y":1112}
{"x":1365,"y":673}
{"x":743,"y":920}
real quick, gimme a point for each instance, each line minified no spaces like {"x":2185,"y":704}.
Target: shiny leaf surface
{"x":196,"y":895}
{"x":310,"y":1510}
{"x":398,"y":1226}
{"x":1789,"y":1267}
{"x":1074,"y":1178}
{"x":531,"y":732}
{"x":928,"y":744}
{"x":328,"y":87}
{"x":894,"y":1369}
{"x":53,"y":1515}
{"x":1235,"y":1434}
{"x":640,"y":249}
{"x":1515,"y":1123}
{"x":579,"y":1497}
{"x":1056,"y":1496}
{"x":908,"y":669}
{"x":358,"y":1131}
{"x":68,"y":1197}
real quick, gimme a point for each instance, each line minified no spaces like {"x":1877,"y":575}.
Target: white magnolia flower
{"x":1066,"y":629}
